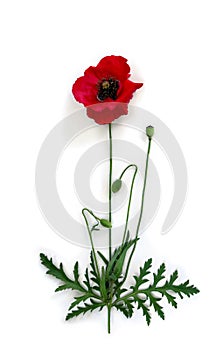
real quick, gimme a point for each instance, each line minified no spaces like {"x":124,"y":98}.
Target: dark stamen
{"x":108,"y":88}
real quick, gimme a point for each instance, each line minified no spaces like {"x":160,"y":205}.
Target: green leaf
{"x":171,"y":299}
{"x":87,"y":280}
{"x":157,"y":307}
{"x":144,"y":271}
{"x":184,"y":288}
{"x":87,"y":307}
{"x":157,"y":277}
{"x":173,"y":278}
{"x":120,"y":291}
{"x":154,"y":293}
{"x":103,"y":289}
{"x":122,"y":308}
{"x":78,"y":300}
{"x":63,"y":287}
{"x":75,"y":272}
{"x":115,"y":265}
{"x":103,"y":258}
{"x":95,"y":278}
{"x":145,"y":310}
{"x":126,"y":308}
{"x":60,"y":274}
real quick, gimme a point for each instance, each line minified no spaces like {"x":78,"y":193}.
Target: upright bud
{"x":150,"y":131}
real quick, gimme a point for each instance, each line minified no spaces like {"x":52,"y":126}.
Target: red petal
{"x":114,"y":66}
{"x":106,"y":112}
{"x":127,"y":89}
{"x":85,"y":88}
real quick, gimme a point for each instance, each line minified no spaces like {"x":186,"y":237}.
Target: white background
{"x":175,"y":48}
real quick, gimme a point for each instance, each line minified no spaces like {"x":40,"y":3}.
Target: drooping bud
{"x":150,"y":131}
{"x":105,"y":223}
{"x":117,"y":184}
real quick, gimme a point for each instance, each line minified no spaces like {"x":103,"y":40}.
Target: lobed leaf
{"x":126,"y":308}
{"x":157,"y":277}
{"x":88,"y":307}
{"x":145,"y":310}
{"x":59,"y":273}
{"x":143,"y":272}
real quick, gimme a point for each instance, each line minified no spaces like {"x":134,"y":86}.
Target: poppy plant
{"x":106,"y":89}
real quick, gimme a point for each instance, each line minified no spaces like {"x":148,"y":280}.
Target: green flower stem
{"x":110,"y":216}
{"x":91,"y":238}
{"x":144,"y":188}
{"x":130,"y":197}
{"x":141,"y":209}
{"x":110,"y":189}
{"x":109,"y":306}
{"x":129,"y":166}
{"x":91,"y":213}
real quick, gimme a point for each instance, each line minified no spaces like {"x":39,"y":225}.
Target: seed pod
{"x":150,"y":131}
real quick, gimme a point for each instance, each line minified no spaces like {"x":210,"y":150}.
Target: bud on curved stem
{"x":116,"y":186}
{"x":105,"y":223}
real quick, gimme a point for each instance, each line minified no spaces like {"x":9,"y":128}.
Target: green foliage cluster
{"x":96,"y":291}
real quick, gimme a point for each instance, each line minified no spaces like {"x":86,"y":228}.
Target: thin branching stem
{"x":141,"y":210}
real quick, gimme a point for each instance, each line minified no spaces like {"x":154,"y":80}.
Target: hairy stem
{"x":110,"y":189}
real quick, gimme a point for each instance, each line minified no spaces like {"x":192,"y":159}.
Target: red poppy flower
{"x":105,"y":89}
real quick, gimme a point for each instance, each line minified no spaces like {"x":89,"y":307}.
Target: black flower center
{"x":108,"y":88}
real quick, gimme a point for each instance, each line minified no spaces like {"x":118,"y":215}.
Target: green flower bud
{"x":150,"y":131}
{"x":105,"y":223}
{"x":117,"y":184}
